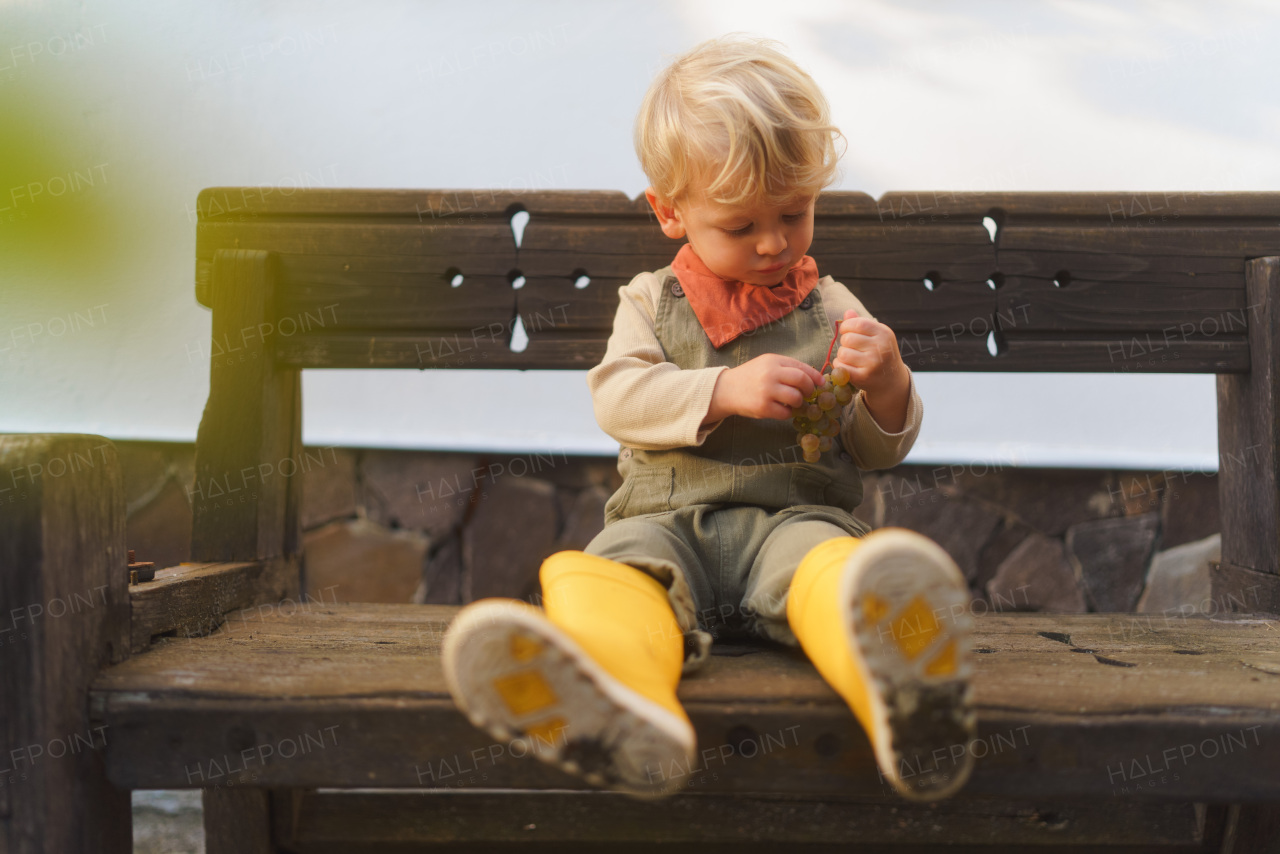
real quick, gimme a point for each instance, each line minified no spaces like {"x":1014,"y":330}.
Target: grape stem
{"x":834,"y":337}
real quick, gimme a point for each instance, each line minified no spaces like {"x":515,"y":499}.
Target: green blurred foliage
{"x":66,"y":212}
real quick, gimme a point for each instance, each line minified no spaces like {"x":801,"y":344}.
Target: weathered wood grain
{"x":940,"y":349}
{"x":1248,"y":427}
{"x":365,"y":277}
{"x":363,"y":686}
{"x":248,"y":445}
{"x":64,"y":616}
{"x":237,"y":821}
{"x":325,"y":821}
{"x":1243,"y":590}
{"x":193,"y":599}
{"x":1254,"y":828}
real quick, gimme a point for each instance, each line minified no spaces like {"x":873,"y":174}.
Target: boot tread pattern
{"x":916,"y":652}
{"x":518,"y":677}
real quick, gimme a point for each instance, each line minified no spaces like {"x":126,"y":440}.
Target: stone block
{"x":1178,"y":581}
{"x":1036,"y":577}
{"x":1190,"y":511}
{"x":1135,"y":492}
{"x":1046,"y":500}
{"x":512,"y":530}
{"x":571,"y":473}
{"x":1110,"y":556}
{"x":419,"y":490}
{"x":358,"y":560}
{"x":328,"y":486}
{"x":443,"y":576}
{"x":584,"y":518}
{"x":160,"y":529}
{"x":1007,"y":537}
{"x":961,"y":526}
{"x":903,"y":488}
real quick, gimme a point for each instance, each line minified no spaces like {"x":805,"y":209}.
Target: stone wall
{"x":411,"y":526}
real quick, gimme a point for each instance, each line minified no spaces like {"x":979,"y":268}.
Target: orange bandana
{"x":727,"y":309}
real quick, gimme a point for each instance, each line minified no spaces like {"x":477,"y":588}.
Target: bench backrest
{"x":1143,"y":282}
{"x":969,"y":281}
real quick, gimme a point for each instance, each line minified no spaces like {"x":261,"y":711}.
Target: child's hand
{"x":768,"y":386}
{"x":869,"y":352}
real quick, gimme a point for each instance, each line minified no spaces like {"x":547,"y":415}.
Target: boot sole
{"x":519,"y":677}
{"x":910,"y":622}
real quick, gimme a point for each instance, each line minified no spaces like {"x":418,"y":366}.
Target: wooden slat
{"x":193,"y":599}
{"x":373,"y":266}
{"x":1127,"y":208}
{"x":907,"y":307}
{"x":487,"y":348}
{"x":364,"y":684}
{"x":1031,"y":353}
{"x":487,"y":247}
{"x":1176,"y":312}
{"x":931,"y":350}
{"x":325,"y":821}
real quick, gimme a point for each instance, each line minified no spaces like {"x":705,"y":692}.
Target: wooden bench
{"x":315,"y":728}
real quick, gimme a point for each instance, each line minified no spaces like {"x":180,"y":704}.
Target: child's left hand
{"x":869,"y":352}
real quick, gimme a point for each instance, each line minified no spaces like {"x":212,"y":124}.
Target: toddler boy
{"x":723,"y":524}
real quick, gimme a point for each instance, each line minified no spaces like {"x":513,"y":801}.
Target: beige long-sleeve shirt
{"x":646,"y":402}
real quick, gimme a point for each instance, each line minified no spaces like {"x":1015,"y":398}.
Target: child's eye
{"x":795,"y":216}
{"x":738,"y":232}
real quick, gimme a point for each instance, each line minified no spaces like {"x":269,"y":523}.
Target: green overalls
{"x":724,"y":525}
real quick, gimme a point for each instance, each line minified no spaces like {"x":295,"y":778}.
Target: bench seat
{"x":353,"y":696}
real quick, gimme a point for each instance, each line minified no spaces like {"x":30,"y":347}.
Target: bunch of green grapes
{"x":817,"y":420}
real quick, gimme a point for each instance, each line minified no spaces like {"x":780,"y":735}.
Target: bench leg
{"x":238,"y":821}
{"x":1248,"y":576}
{"x":1252,"y":829}
{"x":64,"y":615}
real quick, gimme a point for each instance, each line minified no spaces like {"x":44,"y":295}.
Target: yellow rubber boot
{"x":884,"y":620}
{"x":589,"y":684}
{"x":621,"y":616}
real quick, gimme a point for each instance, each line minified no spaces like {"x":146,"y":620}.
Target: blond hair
{"x":738,"y":120}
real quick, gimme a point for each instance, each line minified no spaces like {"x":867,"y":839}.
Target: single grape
{"x":813,"y":412}
{"x":809,"y":441}
{"x":839,"y":376}
{"x":844,"y":394}
{"x":827,"y":401}
{"x":824,"y":444}
{"x":812,"y":456}
{"x":833,"y":429}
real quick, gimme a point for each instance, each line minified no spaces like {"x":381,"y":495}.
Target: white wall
{"x":99,"y":330}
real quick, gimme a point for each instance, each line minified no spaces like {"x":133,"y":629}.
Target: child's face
{"x":754,"y":242}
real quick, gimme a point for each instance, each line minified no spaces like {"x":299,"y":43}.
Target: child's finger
{"x":809,"y":370}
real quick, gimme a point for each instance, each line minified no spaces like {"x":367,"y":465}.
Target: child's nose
{"x":771,"y":242}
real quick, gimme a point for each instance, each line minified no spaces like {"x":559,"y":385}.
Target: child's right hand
{"x":768,"y":386}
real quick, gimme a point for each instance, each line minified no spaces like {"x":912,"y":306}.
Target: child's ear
{"x":668,"y":216}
